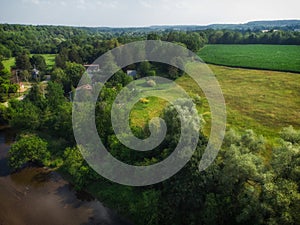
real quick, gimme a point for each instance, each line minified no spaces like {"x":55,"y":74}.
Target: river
{"x":37,"y":196}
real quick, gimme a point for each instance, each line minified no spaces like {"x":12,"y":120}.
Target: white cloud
{"x":107,"y":4}
{"x":36,"y":2}
{"x":81,"y":4}
{"x":146,"y":4}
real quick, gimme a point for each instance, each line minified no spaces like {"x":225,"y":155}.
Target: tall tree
{"x":38,"y":62}
{"x":23,"y":61}
{"x":29,"y":148}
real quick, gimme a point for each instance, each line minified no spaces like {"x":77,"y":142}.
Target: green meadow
{"x":49,"y":58}
{"x":261,"y":100}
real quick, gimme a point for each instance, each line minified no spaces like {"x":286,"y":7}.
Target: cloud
{"x":36,"y":2}
{"x":145,"y":4}
{"x":107,"y":4}
{"x":84,"y":4}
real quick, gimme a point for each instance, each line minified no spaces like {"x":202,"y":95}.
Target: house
{"x":47,"y":77}
{"x":21,"y":87}
{"x":131,"y":73}
{"x":92,"y":67}
{"x":266,"y":31}
{"x":35,"y":74}
{"x":85,"y":87}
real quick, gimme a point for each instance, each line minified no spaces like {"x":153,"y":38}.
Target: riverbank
{"x":42,"y":196}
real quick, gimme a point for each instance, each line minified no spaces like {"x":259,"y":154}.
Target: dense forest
{"x":252,"y":181}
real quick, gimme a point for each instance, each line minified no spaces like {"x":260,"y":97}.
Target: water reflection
{"x":39,"y":196}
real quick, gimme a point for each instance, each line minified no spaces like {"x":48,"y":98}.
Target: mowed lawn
{"x":264,"y":101}
{"x":270,"y":57}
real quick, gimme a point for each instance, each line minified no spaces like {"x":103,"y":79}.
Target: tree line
{"x":51,"y":39}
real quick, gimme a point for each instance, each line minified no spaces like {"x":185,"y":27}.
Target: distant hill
{"x":253,"y":25}
{"x":289,"y":25}
{"x":275,"y":23}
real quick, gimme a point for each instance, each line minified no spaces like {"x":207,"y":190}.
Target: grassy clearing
{"x":49,"y":58}
{"x":264,"y":101}
{"x":142,"y":113}
{"x":8,"y":63}
{"x":270,"y":57}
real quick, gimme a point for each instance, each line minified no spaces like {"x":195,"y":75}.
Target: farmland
{"x":269,"y":57}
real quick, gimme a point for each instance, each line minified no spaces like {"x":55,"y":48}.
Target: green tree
{"x":73,"y":72}
{"x":24,"y":115}
{"x":1,"y":65}
{"x":36,"y":96}
{"x":74,"y":56}
{"x":24,"y":75}
{"x":54,"y":95}
{"x":194,"y":41}
{"x":144,"y":68}
{"x":38,"y":61}
{"x":5,"y":52}
{"x":23,"y":61}
{"x":28,"y":149}
{"x":62,"y":58}
{"x":77,"y":167}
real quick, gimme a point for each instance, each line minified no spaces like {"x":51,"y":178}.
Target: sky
{"x":133,"y":13}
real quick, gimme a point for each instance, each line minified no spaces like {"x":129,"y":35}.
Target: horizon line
{"x":148,"y":26}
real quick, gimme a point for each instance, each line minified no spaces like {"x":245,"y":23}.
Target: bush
{"x":290,"y":134}
{"x":28,"y":149}
{"x":151,"y":73}
{"x":151,"y":83}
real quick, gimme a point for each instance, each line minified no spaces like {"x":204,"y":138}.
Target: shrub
{"x":151,"y":83}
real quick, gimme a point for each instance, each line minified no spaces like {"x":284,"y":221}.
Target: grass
{"x":269,"y":57}
{"x":264,"y":101}
{"x":8,"y":63}
{"x":143,"y":112}
{"x":49,"y":58}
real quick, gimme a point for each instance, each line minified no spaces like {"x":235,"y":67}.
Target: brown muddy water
{"x":37,"y":196}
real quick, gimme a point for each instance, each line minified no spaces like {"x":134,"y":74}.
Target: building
{"x":35,"y":74}
{"x":92,"y":67}
{"x":132,"y":73}
{"x":47,"y":77}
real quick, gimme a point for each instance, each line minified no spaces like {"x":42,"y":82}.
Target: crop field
{"x":269,"y":57}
